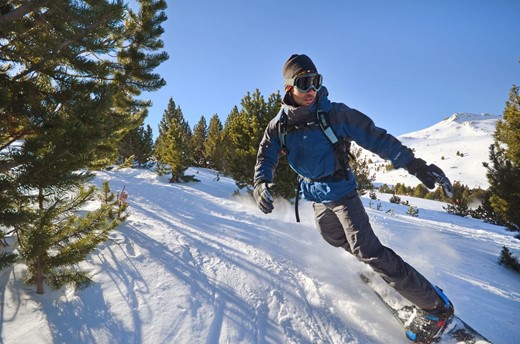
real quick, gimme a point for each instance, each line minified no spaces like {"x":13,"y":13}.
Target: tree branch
{"x":21,"y":11}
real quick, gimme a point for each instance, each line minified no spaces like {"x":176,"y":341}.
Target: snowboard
{"x":456,"y":331}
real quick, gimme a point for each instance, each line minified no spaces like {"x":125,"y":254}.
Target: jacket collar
{"x":297,"y":114}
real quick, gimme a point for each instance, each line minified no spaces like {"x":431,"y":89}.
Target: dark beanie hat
{"x":296,"y":64}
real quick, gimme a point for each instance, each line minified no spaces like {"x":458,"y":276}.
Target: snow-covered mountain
{"x":458,"y":145}
{"x":195,"y":264}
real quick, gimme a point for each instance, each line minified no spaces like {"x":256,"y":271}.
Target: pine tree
{"x":386,"y":189}
{"x":70,"y":75}
{"x":172,"y":147}
{"x":213,"y":146}
{"x":508,"y":129}
{"x":508,"y":259}
{"x":503,"y":172}
{"x":413,"y":211}
{"x":117,"y":204}
{"x":361,"y":170}
{"x":56,"y":240}
{"x":285,"y":178}
{"x":438,"y":194}
{"x":242,"y":134}
{"x":235,"y":142}
{"x":420,"y":191}
{"x":401,"y":189}
{"x":200,"y":133}
{"x":486,"y":212}
{"x":395,"y":199}
{"x":145,"y":150}
{"x":458,"y":204}
{"x":242,"y":137}
{"x":138,"y":144}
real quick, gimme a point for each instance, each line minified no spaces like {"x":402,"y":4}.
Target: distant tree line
{"x":498,"y":204}
{"x":231,"y":149}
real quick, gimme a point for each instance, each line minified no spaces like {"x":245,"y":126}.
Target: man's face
{"x":303,"y":98}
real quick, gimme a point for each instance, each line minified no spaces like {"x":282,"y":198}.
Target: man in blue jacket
{"x":326,"y":180}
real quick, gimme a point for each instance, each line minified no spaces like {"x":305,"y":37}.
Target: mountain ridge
{"x":459,"y":145}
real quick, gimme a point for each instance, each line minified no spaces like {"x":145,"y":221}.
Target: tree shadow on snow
{"x":86,"y":319}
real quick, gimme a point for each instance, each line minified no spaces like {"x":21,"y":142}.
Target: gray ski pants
{"x":344,"y":223}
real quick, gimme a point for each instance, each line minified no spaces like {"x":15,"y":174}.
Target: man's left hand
{"x":429,"y":175}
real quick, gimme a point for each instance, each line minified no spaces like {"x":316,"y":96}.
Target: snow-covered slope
{"x":194,"y":264}
{"x":469,"y":135}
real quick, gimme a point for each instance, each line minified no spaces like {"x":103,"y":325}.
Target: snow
{"x":196,"y":263}
{"x":468,"y":134}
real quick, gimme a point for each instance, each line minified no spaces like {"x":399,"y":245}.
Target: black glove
{"x":429,"y":175}
{"x":263,"y":197}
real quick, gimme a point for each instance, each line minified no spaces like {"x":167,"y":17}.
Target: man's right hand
{"x":263,"y":197}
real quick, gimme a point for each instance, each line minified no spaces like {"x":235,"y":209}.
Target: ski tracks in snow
{"x":251,"y":293}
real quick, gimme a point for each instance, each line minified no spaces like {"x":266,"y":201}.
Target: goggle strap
{"x":290,"y":81}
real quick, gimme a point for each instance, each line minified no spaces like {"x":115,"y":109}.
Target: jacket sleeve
{"x":268,"y":154}
{"x":362,"y":130}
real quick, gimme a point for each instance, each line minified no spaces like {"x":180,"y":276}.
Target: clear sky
{"x":407,"y":64}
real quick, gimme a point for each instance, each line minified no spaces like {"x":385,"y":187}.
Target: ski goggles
{"x":304,"y":83}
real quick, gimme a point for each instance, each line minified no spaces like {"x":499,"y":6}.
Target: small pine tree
{"x":413,"y":211}
{"x":486,"y":212}
{"x":117,"y":204}
{"x":458,"y":207}
{"x":395,"y":199}
{"x":172,"y":147}
{"x":57,"y":239}
{"x":458,"y":204}
{"x":509,"y":260}
{"x":361,"y":171}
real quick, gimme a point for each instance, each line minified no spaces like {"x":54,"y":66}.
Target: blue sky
{"x":406,"y":64}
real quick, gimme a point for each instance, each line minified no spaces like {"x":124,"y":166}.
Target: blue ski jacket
{"x":311,"y":154}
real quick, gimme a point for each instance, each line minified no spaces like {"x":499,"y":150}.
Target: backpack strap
{"x":341,"y":145}
{"x":323,"y":121}
{"x":282,"y":128}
